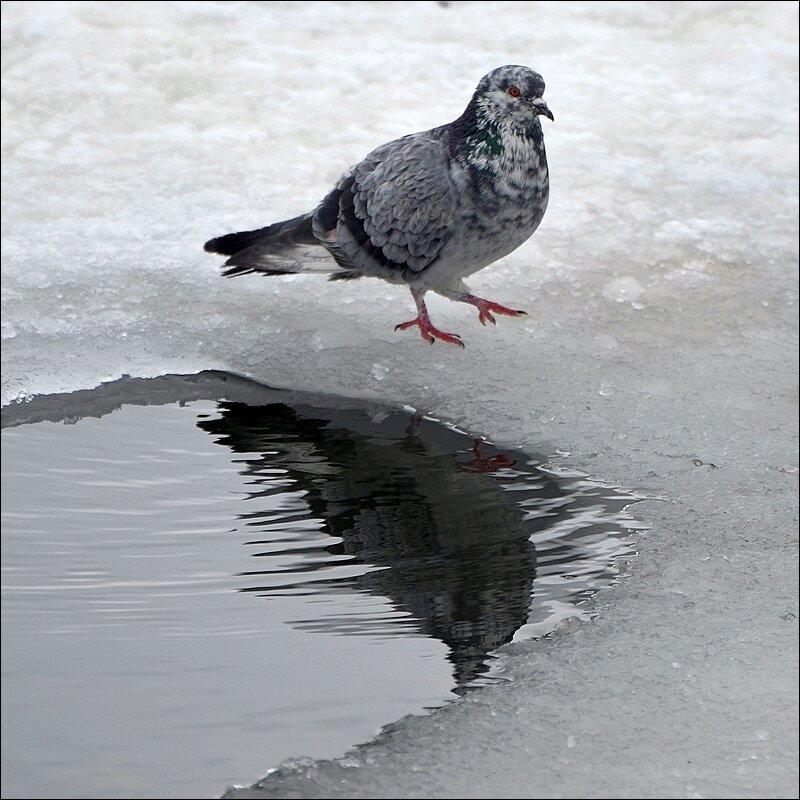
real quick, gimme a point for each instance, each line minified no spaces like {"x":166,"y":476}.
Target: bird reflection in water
{"x":409,"y":510}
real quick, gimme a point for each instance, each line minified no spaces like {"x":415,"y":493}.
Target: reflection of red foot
{"x":426,"y":329}
{"x":487,"y":309}
{"x":484,"y":464}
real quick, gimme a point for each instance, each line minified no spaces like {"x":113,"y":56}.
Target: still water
{"x":203,"y":577}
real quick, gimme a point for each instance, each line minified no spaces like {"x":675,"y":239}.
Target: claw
{"x":428,"y":332}
{"x":486,"y":307}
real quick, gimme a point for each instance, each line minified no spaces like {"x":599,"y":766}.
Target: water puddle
{"x":197,"y":588}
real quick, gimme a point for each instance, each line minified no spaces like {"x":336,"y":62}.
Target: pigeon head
{"x":512,"y":92}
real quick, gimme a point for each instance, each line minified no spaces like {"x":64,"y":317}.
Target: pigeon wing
{"x":392,"y":213}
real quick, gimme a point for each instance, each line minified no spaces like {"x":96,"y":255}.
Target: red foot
{"x":428,"y":332}
{"x":483,"y":464}
{"x":486,"y":307}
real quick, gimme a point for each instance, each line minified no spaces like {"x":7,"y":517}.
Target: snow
{"x":661,"y":288}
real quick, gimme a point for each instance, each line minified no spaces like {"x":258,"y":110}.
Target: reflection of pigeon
{"x":426,"y":210}
{"x":449,"y":548}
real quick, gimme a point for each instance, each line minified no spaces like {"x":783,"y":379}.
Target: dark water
{"x":196,"y":588}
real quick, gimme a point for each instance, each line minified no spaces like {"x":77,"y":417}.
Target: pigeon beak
{"x":541,"y":108}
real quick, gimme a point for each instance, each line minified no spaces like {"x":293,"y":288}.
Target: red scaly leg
{"x":486,"y":309}
{"x":426,"y":328}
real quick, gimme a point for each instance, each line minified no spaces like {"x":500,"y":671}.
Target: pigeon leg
{"x":426,"y":328}
{"x":487,"y":309}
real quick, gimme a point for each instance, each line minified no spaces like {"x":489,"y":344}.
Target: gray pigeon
{"x":425,"y":210}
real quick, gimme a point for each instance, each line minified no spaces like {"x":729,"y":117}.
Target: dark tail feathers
{"x":280,"y":235}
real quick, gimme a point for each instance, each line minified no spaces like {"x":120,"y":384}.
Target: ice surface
{"x":661,"y":287}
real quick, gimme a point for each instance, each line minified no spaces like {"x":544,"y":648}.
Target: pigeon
{"x":426,"y":210}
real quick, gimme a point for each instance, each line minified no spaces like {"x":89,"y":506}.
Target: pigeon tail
{"x":279,"y":235}
{"x":283,"y":248}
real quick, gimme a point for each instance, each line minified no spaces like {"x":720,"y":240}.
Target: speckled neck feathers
{"x":485,"y":140}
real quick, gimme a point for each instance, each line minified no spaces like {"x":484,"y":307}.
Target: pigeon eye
{"x":514,"y":91}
